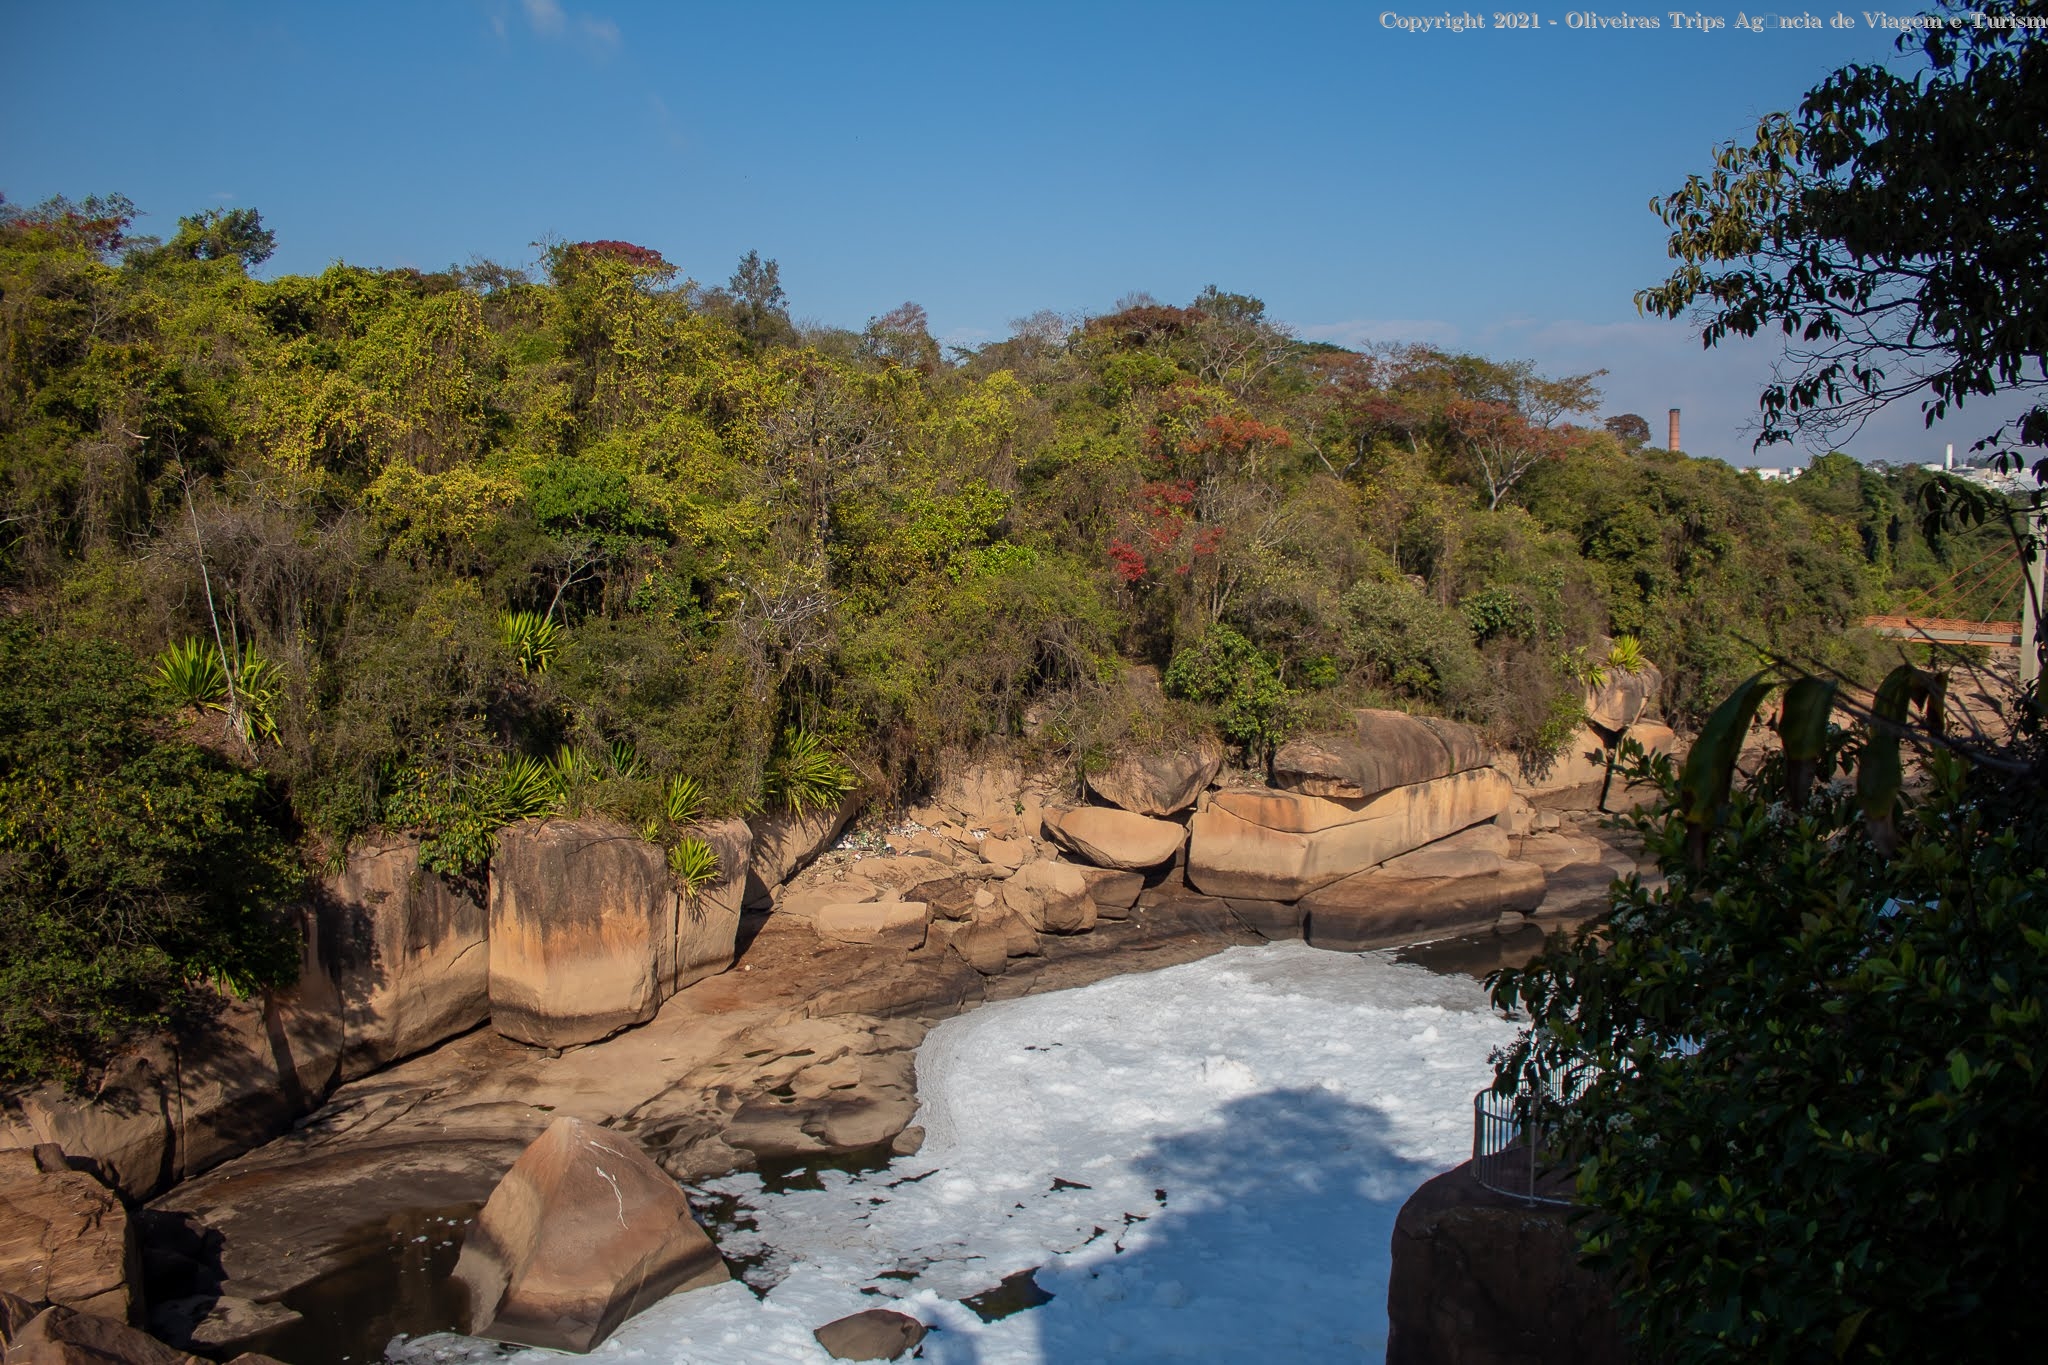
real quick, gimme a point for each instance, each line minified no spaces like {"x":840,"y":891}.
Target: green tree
{"x":1894,"y":230}
{"x":138,"y":873}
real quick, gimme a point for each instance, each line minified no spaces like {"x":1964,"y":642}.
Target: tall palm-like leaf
{"x":804,"y":775}
{"x":189,"y":673}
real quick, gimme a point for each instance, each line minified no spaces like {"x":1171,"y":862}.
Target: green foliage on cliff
{"x":138,"y":871}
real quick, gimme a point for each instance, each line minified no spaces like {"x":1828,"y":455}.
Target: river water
{"x":1200,"y":1162}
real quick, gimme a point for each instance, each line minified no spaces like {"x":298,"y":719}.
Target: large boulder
{"x":708,"y":920}
{"x":1457,"y":885}
{"x":1051,"y":897}
{"x":1381,"y":751}
{"x":1267,"y":845}
{"x":408,"y":953}
{"x":1159,"y":782}
{"x":1623,"y":699}
{"x":583,"y":1232}
{"x":1481,"y":1278}
{"x":64,"y":1237}
{"x":63,"y":1336}
{"x":1114,"y":838}
{"x":784,"y":843}
{"x":583,"y":924}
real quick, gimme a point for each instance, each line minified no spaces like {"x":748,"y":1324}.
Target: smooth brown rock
{"x":62,"y":1336}
{"x":583,"y":1232}
{"x":1006,"y":853}
{"x":1383,"y":750}
{"x":1229,"y":855}
{"x":950,"y":897}
{"x":1112,"y":890}
{"x":65,"y":1238}
{"x":883,"y":924}
{"x":1623,"y":699}
{"x":583,"y":925}
{"x":1159,"y":782}
{"x":15,"y":1314}
{"x":1462,"y":884}
{"x":872,"y":1334}
{"x":1051,"y":897}
{"x":217,"y":1325}
{"x":783,"y":843}
{"x":1556,"y":852}
{"x":983,"y":941}
{"x":707,"y":923}
{"x":1480,"y":1278}
{"x":1112,"y":838}
{"x":244,"y":1075}
{"x":1270,"y":920}
{"x":408,"y":953}
{"x":982,"y":791}
{"x":803,"y":902}
{"x":123,"y":1127}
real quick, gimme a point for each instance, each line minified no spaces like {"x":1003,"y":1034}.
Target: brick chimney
{"x":1672,"y":444}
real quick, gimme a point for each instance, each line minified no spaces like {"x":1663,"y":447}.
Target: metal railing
{"x":1510,"y":1142}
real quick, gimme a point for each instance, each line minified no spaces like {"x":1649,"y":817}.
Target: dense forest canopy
{"x":385,"y":540}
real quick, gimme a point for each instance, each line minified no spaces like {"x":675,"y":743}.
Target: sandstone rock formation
{"x":1381,"y":751}
{"x":1458,"y":885}
{"x":784,"y":843}
{"x":408,"y":953}
{"x":882,"y":924}
{"x":1624,"y":699}
{"x":1577,"y":779}
{"x":1051,"y":897}
{"x":582,"y":937}
{"x":1270,"y":845}
{"x":583,"y":1232}
{"x":1113,"y":838}
{"x":65,"y":1238}
{"x":707,"y":924}
{"x":872,"y":1334}
{"x":1481,"y":1278}
{"x":1159,"y":782}
{"x":61,"y":1336}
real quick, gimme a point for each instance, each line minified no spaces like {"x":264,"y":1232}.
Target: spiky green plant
{"x":525,"y":789}
{"x":1625,"y":655}
{"x":189,"y":673}
{"x":533,"y":638}
{"x":259,"y":688}
{"x":804,"y":775}
{"x":572,"y":768}
{"x":1583,"y":670}
{"x":684,"y":800}
{"x":694,"y":862}
{"x":621,"y":759}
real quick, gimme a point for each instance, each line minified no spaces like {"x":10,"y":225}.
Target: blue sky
{"x":1482,"y":190}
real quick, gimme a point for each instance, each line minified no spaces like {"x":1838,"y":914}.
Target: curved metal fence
{"x":1510,"y":1142}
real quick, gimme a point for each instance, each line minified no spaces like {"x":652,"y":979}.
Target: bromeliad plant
{"x":1819,"y":1053}
{"x":804,"y":775}
{"x":533,"y":638}
{"x":189,"y":673}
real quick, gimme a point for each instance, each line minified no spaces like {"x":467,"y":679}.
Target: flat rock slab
{"x":880,"y":924}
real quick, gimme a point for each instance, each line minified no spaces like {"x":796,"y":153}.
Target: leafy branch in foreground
{"x":1817,"y":1057}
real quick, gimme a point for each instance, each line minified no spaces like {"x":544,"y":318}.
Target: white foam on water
{"x":1202,"y":1163}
